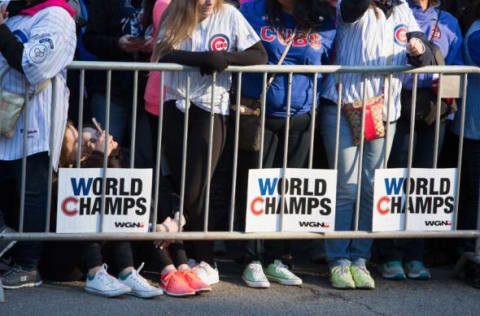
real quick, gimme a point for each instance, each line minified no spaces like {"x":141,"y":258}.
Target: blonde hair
{"x":177,"y":24}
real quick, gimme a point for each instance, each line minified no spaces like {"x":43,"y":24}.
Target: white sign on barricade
{"x":127,"y":200}
{"x":431,"y":201}
{"x":309,"y":200}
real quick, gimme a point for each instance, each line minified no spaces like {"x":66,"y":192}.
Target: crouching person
{"x":37,"y":40}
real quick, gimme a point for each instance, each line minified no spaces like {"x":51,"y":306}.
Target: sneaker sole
{"x":106,"y":294}
{"x":205,"y":290}
{"x":257,"y":285}
{"x":145,"y":295}
{"x":284,"y":281}
{"x":178,"y":295}
{"x":11,"y":287}
{"x":422,"y":277}
{"x":397,"y":276}
{"x":346,"y":287}
{"x":9,"y":246}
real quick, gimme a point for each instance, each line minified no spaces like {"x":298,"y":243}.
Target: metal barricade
{"x":206,"y":234}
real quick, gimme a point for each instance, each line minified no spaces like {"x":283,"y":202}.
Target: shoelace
{"x":257,"y":269}
{"x":363,"y":269}
{"x":343,"y":269}
{"x":140,"y":280}
{"x":12,"y":270}
{"x":283,"y":268}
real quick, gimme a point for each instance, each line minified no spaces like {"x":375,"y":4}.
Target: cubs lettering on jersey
{"x":314,"y":48}
{"x":49,"y":44}
{"x":223,"y":30}
{"x":400,"y":35}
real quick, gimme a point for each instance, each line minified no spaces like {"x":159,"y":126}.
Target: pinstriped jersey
{"x":372,"y":40}
{"x":49,"y":41}
{"x":224,"y":30}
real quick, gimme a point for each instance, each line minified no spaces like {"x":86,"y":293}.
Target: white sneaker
{"x":139,"y":285}
{"x":254,"y":276}
{"x":104,"y":284}
{"x":206,"y":273}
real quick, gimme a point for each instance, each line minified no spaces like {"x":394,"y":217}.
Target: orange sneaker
{"x":174,"y":284}
{"x":195,"y":282}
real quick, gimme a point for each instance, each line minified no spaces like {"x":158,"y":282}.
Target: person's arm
{"x":11,"y":48}
{"x":474,"y":47}
{"x":255,"y":55}
{"x":423,"y":59}
{"x":352,"y":10}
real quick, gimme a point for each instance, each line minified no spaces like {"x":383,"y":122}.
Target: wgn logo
{"x":313,"y":224}
{"x":438,"y":223}
{"x":128,"y":225}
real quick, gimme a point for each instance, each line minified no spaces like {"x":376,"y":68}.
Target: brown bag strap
{"x":284,"y":55}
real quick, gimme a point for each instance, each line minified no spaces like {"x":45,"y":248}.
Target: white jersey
{"x":49,"y":41}
{"x":371,"y":41}
{"x":224,"y":30}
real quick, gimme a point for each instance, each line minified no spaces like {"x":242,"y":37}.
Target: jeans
{"x":298,"y":149}
{"x":346,"y":251}
{"x":27,"y":254}
{"x":423,"y":154}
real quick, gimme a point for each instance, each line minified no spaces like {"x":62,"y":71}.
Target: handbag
{"x":426,"y":102}
{"x":11,"y":107}
{"x":374,"y":126}
{"x":251,"y":109}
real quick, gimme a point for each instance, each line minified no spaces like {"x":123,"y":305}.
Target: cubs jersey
{"x":314,"y":48}
{"x":372,"y":40}
{"x":224,"y":30}
{"x":49,"y":44}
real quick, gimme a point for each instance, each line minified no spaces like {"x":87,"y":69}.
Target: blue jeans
{"x":423,"y":150}
{"x":347,"y":251}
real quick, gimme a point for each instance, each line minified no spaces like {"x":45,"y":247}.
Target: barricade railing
{"x":388,"y":72}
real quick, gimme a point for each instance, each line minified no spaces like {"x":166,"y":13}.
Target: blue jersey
{"x":314,"y":48}
{"x":448,"y":36}
{"x":474,"y":47}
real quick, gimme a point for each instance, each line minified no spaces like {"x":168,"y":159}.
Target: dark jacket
{"x":108,"y":20}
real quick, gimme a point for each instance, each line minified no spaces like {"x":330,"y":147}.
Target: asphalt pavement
{"x":439,"y":296}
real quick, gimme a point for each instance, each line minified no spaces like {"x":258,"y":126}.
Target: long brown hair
{"x":177,"y":24}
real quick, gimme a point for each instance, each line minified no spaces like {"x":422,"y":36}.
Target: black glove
{"x":211,"y":62}
{"x":387,"y":4}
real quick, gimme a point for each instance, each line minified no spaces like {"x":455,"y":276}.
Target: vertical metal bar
{"x":339,"y":114}
{"x":134,"y":119}
{"x":264,"y":110}
{"x":437,"y":122}
{"x":410,"y":146}
{"x":387,"y":130}
{"x":80,"y":115}
{"x":210,"y":154}
{"x":105,"y":153}
{"x":184,"y":153}
{"x":285,"y":151}
{"x":24,"y":160}
{"x":159,"y":152}
{"x":460,"y":151}
{"x":235,"y":151}
{"x":360,"y":156}
{"x":50,"y":163}
{"x":312,"y":123}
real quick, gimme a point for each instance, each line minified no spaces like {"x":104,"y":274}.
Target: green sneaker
{"x":341,"y":277}
{"x":279,"y":273}
{"x":361,"y":277}
{"x":253,"y":276}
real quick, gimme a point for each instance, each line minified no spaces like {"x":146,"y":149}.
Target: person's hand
{"x":130,"y":44}
{"x":213,"y":62}
{"x":415,"y":47}
{"x":100,"y":144}
{"x":148,"y":45}
{"x":3,"y":13}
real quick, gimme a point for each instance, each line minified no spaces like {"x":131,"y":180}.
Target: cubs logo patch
{"x":400,"y":35}
{"x":435,"y":32}
{"x":38,"y":53}
{"x":219,"y":42}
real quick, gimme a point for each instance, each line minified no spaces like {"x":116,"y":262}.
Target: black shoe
{"x":16,"y":277}
{"x":5,"y":245}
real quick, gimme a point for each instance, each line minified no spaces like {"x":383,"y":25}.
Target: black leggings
{"x":121,"y":255}
{"x":298,"y":149}
{"x":196,"y":173}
